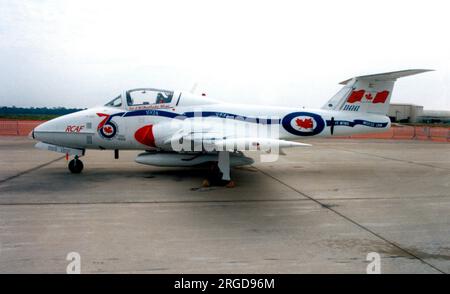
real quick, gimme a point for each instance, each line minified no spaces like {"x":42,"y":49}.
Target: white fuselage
{"x":150,"y":126}
{"x":181,"y":129}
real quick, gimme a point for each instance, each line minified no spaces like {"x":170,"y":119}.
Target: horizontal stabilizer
{"x":388,"y":76}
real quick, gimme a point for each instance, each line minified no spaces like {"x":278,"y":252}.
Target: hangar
{"x":411,"y":113}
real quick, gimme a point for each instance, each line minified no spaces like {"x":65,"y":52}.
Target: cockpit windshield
{"x":137,"y":97}
{"x":116,"y":102}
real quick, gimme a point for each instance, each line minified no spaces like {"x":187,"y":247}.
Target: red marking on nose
{"x":102,"y":123}
{"x":145,"y":136}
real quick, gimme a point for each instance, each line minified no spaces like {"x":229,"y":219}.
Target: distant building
{"x":410,"y":113}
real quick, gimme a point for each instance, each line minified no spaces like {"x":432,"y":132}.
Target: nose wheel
{"x":76,"y":165}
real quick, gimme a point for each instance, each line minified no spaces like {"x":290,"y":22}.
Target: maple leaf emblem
{"x":107,"y":129}
{"x":306,"y":123}
{"x":368,"y":96}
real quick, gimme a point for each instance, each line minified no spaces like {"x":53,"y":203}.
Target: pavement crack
{"x":152,"y":202}
{"x":349,"y":219}
{"x":30,"y":170}
{"x":209,"y":201}
{"x":393,"y":159}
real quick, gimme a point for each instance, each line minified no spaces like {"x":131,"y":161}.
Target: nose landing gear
{"x":76,"y":165}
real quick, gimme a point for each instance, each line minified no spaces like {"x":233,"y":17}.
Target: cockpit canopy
{"x":148,"y":98}
{"x":142,"y":97}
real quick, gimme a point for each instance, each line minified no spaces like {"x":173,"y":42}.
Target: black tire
{"x":75,"y":166}
{"x":214,"y":176}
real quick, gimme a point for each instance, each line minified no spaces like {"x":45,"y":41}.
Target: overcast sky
{"x":83,"y":53}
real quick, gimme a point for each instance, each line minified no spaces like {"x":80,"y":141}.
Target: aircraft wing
{"x":254,"y":143}
{"x":214,"y":137}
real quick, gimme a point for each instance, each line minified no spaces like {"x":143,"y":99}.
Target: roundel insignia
{"x":303,"y":123}
{"x":107,"y":128}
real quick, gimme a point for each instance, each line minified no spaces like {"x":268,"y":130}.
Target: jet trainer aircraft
{"x":182,"y":129}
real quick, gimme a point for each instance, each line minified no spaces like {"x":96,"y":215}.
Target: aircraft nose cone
{"x":31,"y":134}
{"x":38,"y":133}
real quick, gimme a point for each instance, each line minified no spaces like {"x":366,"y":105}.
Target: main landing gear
{"x":76,"y":165}
{"x":219,"y":172}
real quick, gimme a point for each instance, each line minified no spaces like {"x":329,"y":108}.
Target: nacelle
{"x":188,"y":159}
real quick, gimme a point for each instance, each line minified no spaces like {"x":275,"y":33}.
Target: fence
{"x":441,"y":134}
{"x":18,"y":127}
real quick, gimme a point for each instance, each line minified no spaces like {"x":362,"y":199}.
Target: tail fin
{"x":370,"y":93}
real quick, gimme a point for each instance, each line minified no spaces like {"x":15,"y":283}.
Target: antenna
{"x":194,"y":87}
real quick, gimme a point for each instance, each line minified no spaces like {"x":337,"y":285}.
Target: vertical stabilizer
{"x":369,"y":94}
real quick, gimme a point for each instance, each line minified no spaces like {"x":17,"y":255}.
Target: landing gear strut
{"x":219,"y":172}
{"x":76,"y":165}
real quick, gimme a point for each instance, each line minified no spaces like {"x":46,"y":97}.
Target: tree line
{"x":56,"y":111}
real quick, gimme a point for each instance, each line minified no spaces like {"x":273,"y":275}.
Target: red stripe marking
{"x":145,"y":136}
{"x":102,"y":123}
